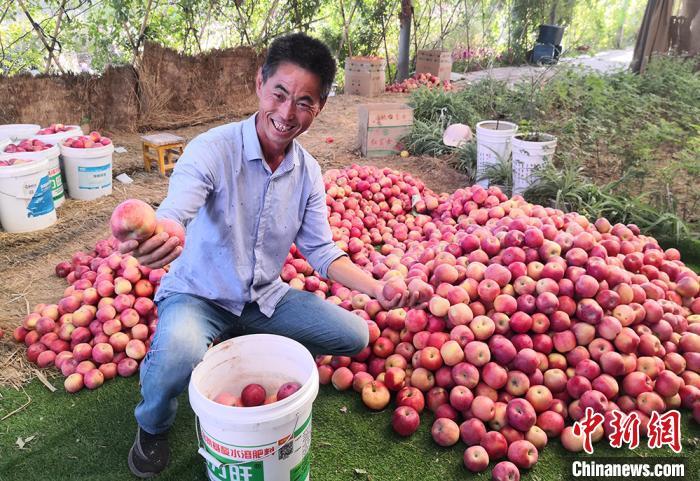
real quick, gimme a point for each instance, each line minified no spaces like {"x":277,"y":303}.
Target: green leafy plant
{"x":569,"y":189}
{"x":500,"y":174}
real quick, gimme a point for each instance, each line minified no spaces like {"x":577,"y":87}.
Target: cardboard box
{"x":436,"y":62}
{"x":381,"y":127}
{"x":365,"y":76}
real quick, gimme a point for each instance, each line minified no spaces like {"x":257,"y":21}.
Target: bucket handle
{"x":218,"y":464}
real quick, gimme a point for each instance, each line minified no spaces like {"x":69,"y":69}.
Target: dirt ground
{"x":27,"y":260}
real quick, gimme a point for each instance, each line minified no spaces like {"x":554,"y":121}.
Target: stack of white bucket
{"x":26,"y":176}
{"x":26,"y":196}
{"x":498,"y":140}
{"x":51,"y":154}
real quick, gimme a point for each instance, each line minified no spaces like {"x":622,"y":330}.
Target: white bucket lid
{"x":49,"y":153}
{"x":25,"y":168}
{"x":456,"y":135}
{"x":88,"y":153}
{"x":18,"y":131}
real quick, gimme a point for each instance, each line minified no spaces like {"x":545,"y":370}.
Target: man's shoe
{"x":150,"y":454}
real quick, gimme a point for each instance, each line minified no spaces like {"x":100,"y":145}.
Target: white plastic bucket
{"x":18,"y":131}
{"x":52,"y":155}
{"x":527,"y":156}
{"x":73,"y":131}
{"x":25,"y":197}
{"x":263,"y":443}
{"x":4,"y":142}
{"x":492,"y":144}
{"x":88,"y":171}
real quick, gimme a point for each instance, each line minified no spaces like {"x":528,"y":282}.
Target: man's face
{"x":289,"y":102}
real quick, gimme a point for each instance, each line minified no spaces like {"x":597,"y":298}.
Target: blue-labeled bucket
{"x":88,"y":171}
{"x":26,"y":203}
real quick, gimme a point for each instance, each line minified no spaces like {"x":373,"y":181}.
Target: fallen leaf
{"x":23,"y":442}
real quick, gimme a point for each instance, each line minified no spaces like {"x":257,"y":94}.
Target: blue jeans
{"x":188,"y":324}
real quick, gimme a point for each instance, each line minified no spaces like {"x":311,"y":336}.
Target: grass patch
{"x":87,"y":437}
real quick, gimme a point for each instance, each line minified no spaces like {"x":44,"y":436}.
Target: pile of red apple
{"x":105,"y":321}
{"x":55,"y":129}
{"x":527,"y":316}
{"x":102,"y":326}
{"x":419,"y":80}
{"x":27,"y":145}
{"x":530,"y":316}
{"x":93,"y":140}
{"x":255,"y":395}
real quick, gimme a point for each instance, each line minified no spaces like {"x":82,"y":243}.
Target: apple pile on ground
{"x":103,"y":325}
{"x":528,"y":315}
{"x":419,"y":80}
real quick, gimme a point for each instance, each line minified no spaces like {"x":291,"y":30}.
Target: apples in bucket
{"x":92,"y":141}
{"x":55,"y":129}
{"x":27,"y":145}
{"x":255,"y":395}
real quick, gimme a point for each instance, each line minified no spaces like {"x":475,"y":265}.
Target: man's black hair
{"x":304,"y":51}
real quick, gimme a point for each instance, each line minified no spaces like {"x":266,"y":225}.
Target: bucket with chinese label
{"x":262,"y":443}
{"x":52,"y":154}
{"x":88,"y":171}
{"x":26,"y":204}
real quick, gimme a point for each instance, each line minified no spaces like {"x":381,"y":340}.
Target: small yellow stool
{"x":163,"y":149}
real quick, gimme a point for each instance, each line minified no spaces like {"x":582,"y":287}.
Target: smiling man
{"x":245,"y":192}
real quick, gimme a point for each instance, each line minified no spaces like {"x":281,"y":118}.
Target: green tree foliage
{"x":103,"y":32}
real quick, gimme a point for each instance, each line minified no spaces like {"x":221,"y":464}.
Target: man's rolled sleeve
{"x":315,"y":239}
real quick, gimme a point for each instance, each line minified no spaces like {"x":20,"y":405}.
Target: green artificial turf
{"x":87,"y":436}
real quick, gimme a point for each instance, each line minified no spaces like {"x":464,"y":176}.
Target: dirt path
{"x":27,"y":260}
{"x":603,"y":62}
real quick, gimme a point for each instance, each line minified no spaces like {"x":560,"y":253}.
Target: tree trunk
{"x":404,"y":40}
{"x":553,"y":13}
